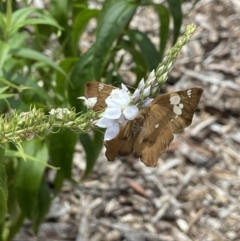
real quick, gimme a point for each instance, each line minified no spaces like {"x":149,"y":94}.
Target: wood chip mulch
{"x":194,"y":192}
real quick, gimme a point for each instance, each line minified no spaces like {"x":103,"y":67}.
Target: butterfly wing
{"x":179,"y":107}
{"x":122,"y":144}
{"x":154,"y":137}
{"x":99,"y":90}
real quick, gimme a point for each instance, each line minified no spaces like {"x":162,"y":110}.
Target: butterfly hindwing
{"x":122,"y":144}
{"x":154,"y":137}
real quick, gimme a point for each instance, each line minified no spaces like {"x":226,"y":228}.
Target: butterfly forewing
{"x":99,"y":90}
{"x":179,"y":107}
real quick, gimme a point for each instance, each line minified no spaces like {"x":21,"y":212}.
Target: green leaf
{"x":20,"y":19}
{"x":10,"y":84}
{"x":35,"y":55}
{"x":43,"y":204}
{"x":61,"y":82}
{"x":92,"y":147}
{"x":176,"y":11}
{"x":3,"y":24}
{"x":147,"y":48}
{"x":61,"y":150}
{"x":80,"y":22}
{"x":29,"y":177}
{"x":5,"y":96}
{"x":34,"y":89}
{"x":59,"y":9}
{"x":82,"y":73}
{"x":164,"y":27}
{"x":141,"y":66}
{"x":15,"y":227}
{"x":114,"y":17}
{"x":3,"y":187}
{"x":4,"y":50}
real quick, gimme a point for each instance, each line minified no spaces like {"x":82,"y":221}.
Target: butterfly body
{"x":152,"y":131}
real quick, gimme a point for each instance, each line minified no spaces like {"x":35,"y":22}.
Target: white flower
{"x":141,"y":84}
{"x":136,"y":95}
{"x":147,"y":102}
{"x":151,"y":78}
{"x":111,"y":125}
{"x":124,"y":88}
{"x":90,"y":102}
{"x":146,"y":92}
{"x":59,"y":112}
{"x":52,"y":112}
{"x":118,"y":111}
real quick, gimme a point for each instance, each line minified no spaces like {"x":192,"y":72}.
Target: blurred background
{"x":54,"y":48}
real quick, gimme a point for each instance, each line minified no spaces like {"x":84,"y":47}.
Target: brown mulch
{"x":194,"y":192}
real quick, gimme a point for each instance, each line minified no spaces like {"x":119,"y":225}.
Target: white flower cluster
{"x":143,"y":90}
{"x":59,"y":112}
{"x":119,"y":110}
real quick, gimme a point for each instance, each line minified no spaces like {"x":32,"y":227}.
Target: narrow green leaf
{"x":3,"y":187}
{"x":61,"y":149}
{"x":21,"y":19}
{"x":43,"y":204}
{"x":176,"y":11}
{"x":21,"y":151}
{"x":82,"y":73}
{"x":12,"y":153}
{"x":61,"y":82}
{"x":29,"y":177}
{"x":3,"y":89}
{"x":147,"y":48}
{"x":5,"y":96}
{"x":80,"y":22}
{"x":35,"y":90}
{"x":141,"y":66}
{"x":16,"y":226}
{"x":35,"y":55}
{"x":3,"y":23}
{"x":4,"y":50}
{"x":21,"y":14}
{"x":10,"y":84}
{"x":112,"y":20}
{"x":92,"y":147}
{"x":164,"y":27}
{"x":59,"y":9}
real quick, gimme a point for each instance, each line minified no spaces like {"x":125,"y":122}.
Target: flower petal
{"x":125,"y":98}
{"x":90,"y":102}
{"x":147,"y":102}
{"x":52,"y":112}
{"x":124,"y":88}
{"x":130,"y":112}
{"x":113,"y":102}
{"x":136,"y":95}
{"x":105,"y":122}
{"x":141,"y":84}
{"x":112,"y":113}
{"x":116,"y":93}
{"x":146,"y":92}
{"x":111,"y":132}
{"x":122,"y":120}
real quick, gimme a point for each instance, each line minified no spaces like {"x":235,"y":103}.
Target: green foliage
{"x":36,"y":78}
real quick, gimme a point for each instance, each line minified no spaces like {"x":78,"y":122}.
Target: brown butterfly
{"x":151,"y":132}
